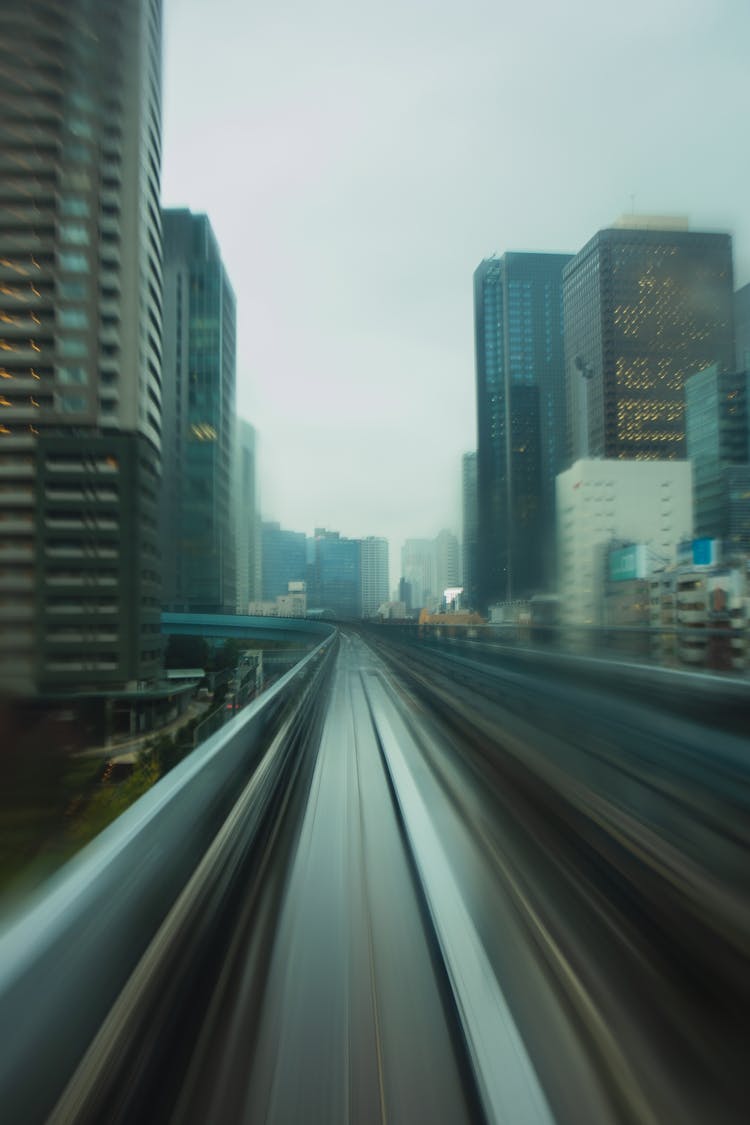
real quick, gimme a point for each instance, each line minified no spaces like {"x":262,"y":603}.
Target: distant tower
{"x":470,"y":527}
{"x":246,"y":516}
{"x":646,"y":305}
{"x":199,"y":418}
{"x":374,"y":563}
{"x":520,"y":420}
{"x":80,"y":330}
{"x":446,"y":562}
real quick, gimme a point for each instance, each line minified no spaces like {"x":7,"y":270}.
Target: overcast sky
{"x":357,"y":161}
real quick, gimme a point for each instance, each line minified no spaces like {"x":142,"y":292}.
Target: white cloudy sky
{"x":358,"y":160}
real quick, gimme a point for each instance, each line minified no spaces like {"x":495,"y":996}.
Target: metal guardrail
{"x":66,"y":958}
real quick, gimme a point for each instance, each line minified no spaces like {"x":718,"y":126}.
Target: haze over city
{"x":357,"y":166}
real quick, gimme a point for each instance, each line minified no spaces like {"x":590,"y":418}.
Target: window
{"x":71,"y":404}
{"x":72,"y":375}
{"x":71,"y":290}
{"x":73,"y":263}
{"x":72,"y":318}
{"x":75,"y":233}
{"x":74,"y":207}
{"x":71,"y":347}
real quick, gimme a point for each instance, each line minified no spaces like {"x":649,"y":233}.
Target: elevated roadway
{"x":435,"y":887}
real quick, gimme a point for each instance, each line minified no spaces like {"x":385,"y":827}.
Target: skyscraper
{"x":247,"y":523}
{"x":374,"y":566}
{"x":199,"y":418}
{"x":419,"y":569}
{"x":470,"y":517}
{"x":644,"y":308}
{"x":284,"y":559}
{"x":81,"y":308}
{"x":717,"y":418}
{"x":520,"y":376}
{"x":742,"y":328}
{"x":446,"y":562}
{"x":336,"y":574}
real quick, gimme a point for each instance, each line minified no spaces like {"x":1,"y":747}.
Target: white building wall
{"x":600,"y":500}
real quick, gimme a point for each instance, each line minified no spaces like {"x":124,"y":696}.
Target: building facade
{"x":81,"y":326}
{"x":199,"y":419}
{"x":470,"y":520}
{"x":742,"y":328}
{"x":374,"y":577}
{"x":419,"y":570}
{"x":446,"y":562}
{"x":717,"y":419}
{"x":605,"y":502}
{"x":520,"y":380}
{"x":284,"y":559}
{"x":246,"y":521}
{"x":644,"y":309}
{"x":336,"y":574}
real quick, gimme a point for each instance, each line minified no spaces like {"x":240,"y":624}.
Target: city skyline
{"x":354,"y":212}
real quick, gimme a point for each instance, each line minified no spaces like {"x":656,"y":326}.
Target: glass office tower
{"x":200,"y":559}
{"x":520,"y":421}
{"x":645,"y":308}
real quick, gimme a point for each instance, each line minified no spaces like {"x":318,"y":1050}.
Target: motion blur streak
{"x":447,"y":815}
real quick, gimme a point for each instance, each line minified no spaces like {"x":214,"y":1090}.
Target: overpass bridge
{"x":414,"y":881}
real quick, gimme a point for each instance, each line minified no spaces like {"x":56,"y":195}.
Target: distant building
{"x":419,"y":569}
{"x":374,"y":566}
{"x":404,"y":593}
{"x":284,"y":555}
{"x":470,"y":529}
{"x":336,"y":582}
{"x":199,"y":473}
{"x":598,"y":501}
{"x":644,"y":310}
{"x":247,"y":521}
{"x":718,"y":444}
{"x":520,"y":379}
{"x":742,"y":328}
{"x":446,"y":562}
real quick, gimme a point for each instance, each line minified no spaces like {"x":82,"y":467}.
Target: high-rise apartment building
{"x":199,"y":419}
{"x":246,"y":520}
{"x":80,"y":333}
{"x":646,"y":305}
{"x":374,"y":567}
{"x":520,"y":374}
{"x":717,"y":419}
{"x":470,"y":527}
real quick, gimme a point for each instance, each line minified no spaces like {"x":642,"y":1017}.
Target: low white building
{"x":598,"y":501}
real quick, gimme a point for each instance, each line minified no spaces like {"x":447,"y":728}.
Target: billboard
{"x":630,"y":562}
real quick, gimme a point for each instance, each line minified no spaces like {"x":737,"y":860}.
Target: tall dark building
{"x":199,"y":419}
{"x":284,"y":559}
{"x":645,"y":308}
{"x":336,"y":574}
{"x":718,"y":444}
{"x":520,"y":420}
{"x":470,"y":527}
{"x":742,"y":328}
{"x":80,"y":332}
